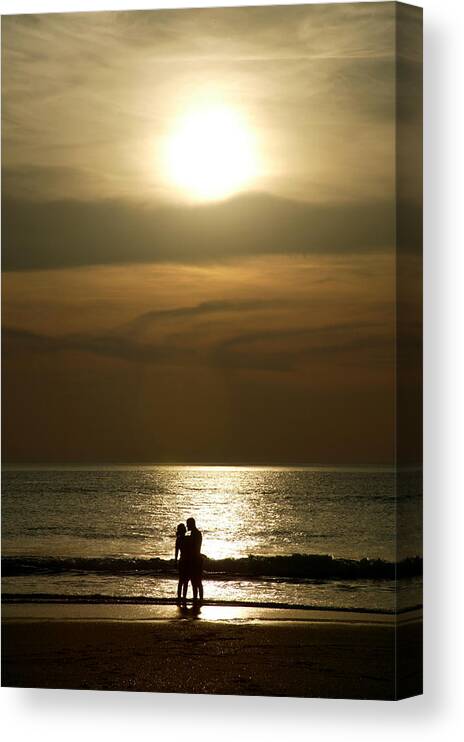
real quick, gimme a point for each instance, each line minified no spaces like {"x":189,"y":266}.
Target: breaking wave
{"x":284,"y":567}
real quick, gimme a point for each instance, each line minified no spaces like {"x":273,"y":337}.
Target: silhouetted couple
{"x":189,"y":558}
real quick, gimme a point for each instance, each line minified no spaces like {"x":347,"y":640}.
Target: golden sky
{"x":199,"y":233}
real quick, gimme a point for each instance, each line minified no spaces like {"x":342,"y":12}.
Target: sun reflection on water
{"x":227,"y":507}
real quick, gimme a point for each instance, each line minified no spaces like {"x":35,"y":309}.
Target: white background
{"x":78,"y":716}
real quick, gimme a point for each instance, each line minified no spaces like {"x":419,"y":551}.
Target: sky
{"x":198,"y":217}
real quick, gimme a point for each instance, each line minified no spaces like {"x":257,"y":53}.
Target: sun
{"x":211,"y":154}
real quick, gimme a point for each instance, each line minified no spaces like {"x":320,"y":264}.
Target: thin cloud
{"x":355,"y":343}
{"x":104,"y":89}
{"x":204,"y":308}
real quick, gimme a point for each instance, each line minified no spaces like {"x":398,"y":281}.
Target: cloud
{"x":110,"y":345}
{"x":126,"y":342}
{"x":65,"y":234}
{"x":43,"y":183}
{"x":367,"y":343}
{"x":147,"y":319}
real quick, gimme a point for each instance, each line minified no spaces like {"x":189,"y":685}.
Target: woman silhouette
{"x":183,"y":561}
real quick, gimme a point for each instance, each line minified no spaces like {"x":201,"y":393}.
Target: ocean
{"x":313,"y":536}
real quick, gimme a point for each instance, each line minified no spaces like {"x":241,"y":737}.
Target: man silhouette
{"x":196,"y":537}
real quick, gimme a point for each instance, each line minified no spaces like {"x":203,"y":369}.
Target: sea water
{"x":108,"y":532}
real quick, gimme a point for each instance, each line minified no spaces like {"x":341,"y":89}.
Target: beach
{"x":222,"y":650}
{"x":303,"y":580}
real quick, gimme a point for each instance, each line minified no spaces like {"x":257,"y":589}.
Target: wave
{"x":99,"y":599}
{"x":283,"y":567}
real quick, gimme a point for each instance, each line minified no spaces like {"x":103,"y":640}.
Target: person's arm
{"x":177,"y":549}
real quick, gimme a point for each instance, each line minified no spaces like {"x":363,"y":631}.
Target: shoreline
{"x":63,"y":599}
{"x":208,"y":611}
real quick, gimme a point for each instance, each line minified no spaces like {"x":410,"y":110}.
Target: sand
{"x":271,"y":654}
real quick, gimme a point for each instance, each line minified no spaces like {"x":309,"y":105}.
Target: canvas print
{"x":211,"y":270}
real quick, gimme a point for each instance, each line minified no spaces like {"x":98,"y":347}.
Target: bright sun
{"x":211,"y":154}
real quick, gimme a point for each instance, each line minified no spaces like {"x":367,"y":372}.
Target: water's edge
{"x":44,"y":598}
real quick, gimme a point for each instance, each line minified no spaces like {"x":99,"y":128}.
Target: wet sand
{"x":225,"y":650}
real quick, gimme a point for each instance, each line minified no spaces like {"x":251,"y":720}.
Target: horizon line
{"x":201,"y":464}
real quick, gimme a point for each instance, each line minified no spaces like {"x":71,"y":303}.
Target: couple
{"x":189,"y":558}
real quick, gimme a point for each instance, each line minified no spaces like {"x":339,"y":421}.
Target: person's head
{"x":181,"y":530}
{"x":191,"y":524}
